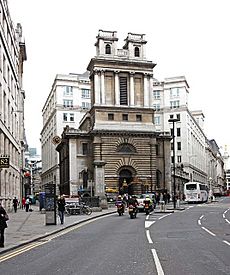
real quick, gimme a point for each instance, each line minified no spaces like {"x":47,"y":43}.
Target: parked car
{"x":141,"y":198}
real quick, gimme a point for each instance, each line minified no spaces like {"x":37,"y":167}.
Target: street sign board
{"x":4,"y":161}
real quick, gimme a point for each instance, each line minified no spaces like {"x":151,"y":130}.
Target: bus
{"x":196,"y":192}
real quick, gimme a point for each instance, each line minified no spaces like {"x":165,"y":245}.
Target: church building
{"x":116,"y":146}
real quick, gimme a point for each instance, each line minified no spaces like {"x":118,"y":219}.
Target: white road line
{"x":148,"y":236}
{"x":157,"y":263}
{"x":164,"y":216}
{"x":227,"y":221}
{"x":226,"y":211}
{"x":208,"y":231}
{"x":226,"y":242}
{"x":224,"y":216}
{"x":149,"y":223}
{"x":199,"y":221}
{"x":147,"y":217}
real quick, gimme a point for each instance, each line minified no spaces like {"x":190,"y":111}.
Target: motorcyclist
{"x":120,"y":201}
{"x":148,"y":201}
{"x":133,"y":201}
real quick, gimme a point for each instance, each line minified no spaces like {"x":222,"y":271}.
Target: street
{"x":193,"y":241}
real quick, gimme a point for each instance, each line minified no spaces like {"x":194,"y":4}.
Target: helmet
{"x":119,"y":197}
{"x":147,"y":196}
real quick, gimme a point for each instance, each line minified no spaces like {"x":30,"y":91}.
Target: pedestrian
{"x":23,"y":203}
{"x":3,"y":218}
{"x":61,"y":208}
{"x":15,"y":204}
{"x":168,"y":197}
{"x":27,"y":204}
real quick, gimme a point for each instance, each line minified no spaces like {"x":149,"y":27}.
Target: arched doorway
{"x":125,"y":178}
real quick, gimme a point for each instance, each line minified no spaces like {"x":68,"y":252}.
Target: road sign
{"x":56,"y":140}
{"x":4,"y":161}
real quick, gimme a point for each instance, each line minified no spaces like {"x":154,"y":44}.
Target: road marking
{"x":157,"y":262}
{"x":148,"y":236}
{"x":208,"y":231}
{"x":147,"y":217}
{"x":199,"y":221}
{"x":20,"y":251}
{"x":46,"y":239}
{"x":227,"y":221}
{"x":149,"y":223}
{"x":165,"y":216}
{"x":224,"y":216}
{"x":226,"y":242}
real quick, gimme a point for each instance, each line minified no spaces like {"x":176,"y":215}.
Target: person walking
{"x":27,"y":204}
{"x":15,"y":204}
{"x":3,"y":224}
{"x":61,"y":208}
{"x":23,"y":203}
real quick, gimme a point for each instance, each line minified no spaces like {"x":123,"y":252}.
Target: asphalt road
{"x":193,"y":241}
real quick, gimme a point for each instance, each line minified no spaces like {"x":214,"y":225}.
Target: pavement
{"x":26,"y":227}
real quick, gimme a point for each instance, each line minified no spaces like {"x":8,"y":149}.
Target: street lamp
{"x":173,"y":120}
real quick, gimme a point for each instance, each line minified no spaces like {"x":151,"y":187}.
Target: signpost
{"x":4,"y":161}
{"x":50,"y":204}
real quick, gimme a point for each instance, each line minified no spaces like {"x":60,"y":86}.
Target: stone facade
{"x":116,"y":145}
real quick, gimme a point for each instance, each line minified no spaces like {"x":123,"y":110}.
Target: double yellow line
{"x":44,"y":240}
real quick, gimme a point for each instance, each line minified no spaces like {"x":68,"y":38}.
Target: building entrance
{"x":125,"y":178}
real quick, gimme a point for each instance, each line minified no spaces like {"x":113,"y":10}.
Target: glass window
{"x":178,"y":145}
{"x":156,"y":107}
{"x":139,"y":118}
{"x":178,"y":116}
{"x":84,"y":148}
{"x":191,"y":186}
{"x":156,"y":94}
{"x":174,"y":104}
{"x":85,"y":93}
{"x":174,"y":92}
{"x":71,"y":117}
{"x":157,"y":120}
{"x":65,"y":116}
{"x":85,"y":105}
{"x":179,"y":159}
{"x":108,"y":49}
{"x":67,"y":103}
{"x":68,"y":90}
{"x":136,"y":52}
{"x":110,"y":116}
{"x":178,"y":132}
{"x":125,"y":117}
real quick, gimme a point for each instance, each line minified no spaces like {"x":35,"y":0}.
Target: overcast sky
{"x":185,"y":37}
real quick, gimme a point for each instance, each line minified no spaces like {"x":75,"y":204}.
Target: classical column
{"x":102,"y":87}
{"x":117,"y":90}
{"x":96,"y":87}
{"x":132,"y":88}
{"x":146,"y":91}
{"x":99,"y":179}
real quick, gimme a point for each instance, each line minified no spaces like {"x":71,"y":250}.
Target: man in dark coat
{"x":61,"y":208}
{"x":15,"y":204}
{"x":3,"y":224}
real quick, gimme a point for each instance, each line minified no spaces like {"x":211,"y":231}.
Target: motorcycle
{"x":120,"y":209}
{"x":147,"y":208}
{"x":132,"y":211}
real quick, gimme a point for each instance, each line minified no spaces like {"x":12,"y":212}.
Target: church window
{"x":137,"y":52}
{"x":108,"y":49}
{"x":126,"y":148}
{"x":110,"y":116}
{"x":125,"y":117}
{"x":84,"y":148}
{"x":123,"y":91}
{"x":138,"y":118}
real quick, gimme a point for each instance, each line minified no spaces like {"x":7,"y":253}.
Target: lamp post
{"x":173,"y":120}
